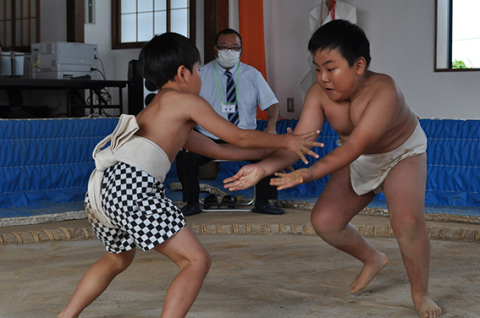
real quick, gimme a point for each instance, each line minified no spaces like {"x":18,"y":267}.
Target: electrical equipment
{"x":140,"y":93}
{"x":63,"y":60}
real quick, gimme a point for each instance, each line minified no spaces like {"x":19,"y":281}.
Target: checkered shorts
{"x":135,"y":202}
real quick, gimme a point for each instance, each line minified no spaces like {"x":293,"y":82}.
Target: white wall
{"x":401,"y":35}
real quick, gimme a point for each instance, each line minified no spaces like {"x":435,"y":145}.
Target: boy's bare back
{"x":166,"y":121}
{"x":170,"y":118}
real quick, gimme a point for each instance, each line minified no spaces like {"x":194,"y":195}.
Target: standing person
{"x":234,"y":90}
{"x":383,"y":148}
{"x":126,"y":201}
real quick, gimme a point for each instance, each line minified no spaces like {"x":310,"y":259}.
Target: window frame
{"x":116,"y":26}
{"x":10,"y":27}
{"x":443,"y":47}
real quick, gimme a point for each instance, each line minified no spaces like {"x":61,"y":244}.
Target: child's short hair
{"x":161,"y":57}
{"x":349,"y":38}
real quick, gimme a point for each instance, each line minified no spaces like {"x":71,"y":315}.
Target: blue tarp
{"x":453,"y":163}
{"x":48,"y":162}
{"x":453,"y":176}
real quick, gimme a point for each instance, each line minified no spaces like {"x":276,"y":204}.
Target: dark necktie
{"x":231,"y":98}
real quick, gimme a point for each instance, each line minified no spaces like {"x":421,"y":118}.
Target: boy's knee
{"x":121,"y":261}
{"x":324,"y":224}
{"x":408,"y":224}
{"x":201,"y":262}
{"x":206,"y":262}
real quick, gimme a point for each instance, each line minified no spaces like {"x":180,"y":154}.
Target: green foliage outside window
{"x":458,"y":64}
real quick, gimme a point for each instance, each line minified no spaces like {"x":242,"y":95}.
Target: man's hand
{"x":289,"y":180}
{"x":300,"y":145}
{"x":246,"y":177}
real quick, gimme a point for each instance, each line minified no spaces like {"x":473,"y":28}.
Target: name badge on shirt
{"x":228,"y":108}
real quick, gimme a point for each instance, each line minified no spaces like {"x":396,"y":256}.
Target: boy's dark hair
{"x":347,"y":37}
{"x":227,"y":31}
{"x":161,"y":57}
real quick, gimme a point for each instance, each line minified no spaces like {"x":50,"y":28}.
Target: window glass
{"x":145,"y":28}
{"x":129,"y":6}
{"x":176,"y":4}
{"x":25,"y":9}
{"x":34,"y":30}
{"x":178,"y":18}
{"x":457,"y":32}
{"x":145,"y":6}
{"x":19,"y":24}
{"x":33,"y":8}
{"x":160,"y":22}
{"x":26,"y":31}
{"x":18,"y":11}
{"x":466,"y":32}
{"x":160,"y":5}
{"x":136,"y":21}
{"x":18,"y":31}
{"x":129,"y":28}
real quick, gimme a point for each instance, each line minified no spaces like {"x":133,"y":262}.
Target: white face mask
{"x":228,"y":58}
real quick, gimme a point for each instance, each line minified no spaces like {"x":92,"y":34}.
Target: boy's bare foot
{"x":369,"y":270}
{"x":426,"y":307}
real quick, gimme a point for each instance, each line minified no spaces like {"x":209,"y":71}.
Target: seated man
{"x":234,"y":90}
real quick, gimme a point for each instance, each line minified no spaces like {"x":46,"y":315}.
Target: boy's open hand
{"x":289,"y":180}
{"x":246,"y":177}
{"x":300,"y":145}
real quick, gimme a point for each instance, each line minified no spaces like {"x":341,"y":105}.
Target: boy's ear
{"x":360,"y":65}
{"x":181,"y":73}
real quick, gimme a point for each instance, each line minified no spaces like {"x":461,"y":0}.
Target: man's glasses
{"x":234,"y":48}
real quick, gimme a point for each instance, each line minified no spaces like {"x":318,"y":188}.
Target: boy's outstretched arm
{"x":311,"y":118}
{"x":205,"y":146}
{"x":204,"y":115}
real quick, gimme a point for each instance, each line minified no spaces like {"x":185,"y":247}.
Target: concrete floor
{"x":263,"y":266}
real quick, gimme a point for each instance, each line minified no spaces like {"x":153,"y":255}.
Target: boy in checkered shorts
{"x":126,"y":203}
